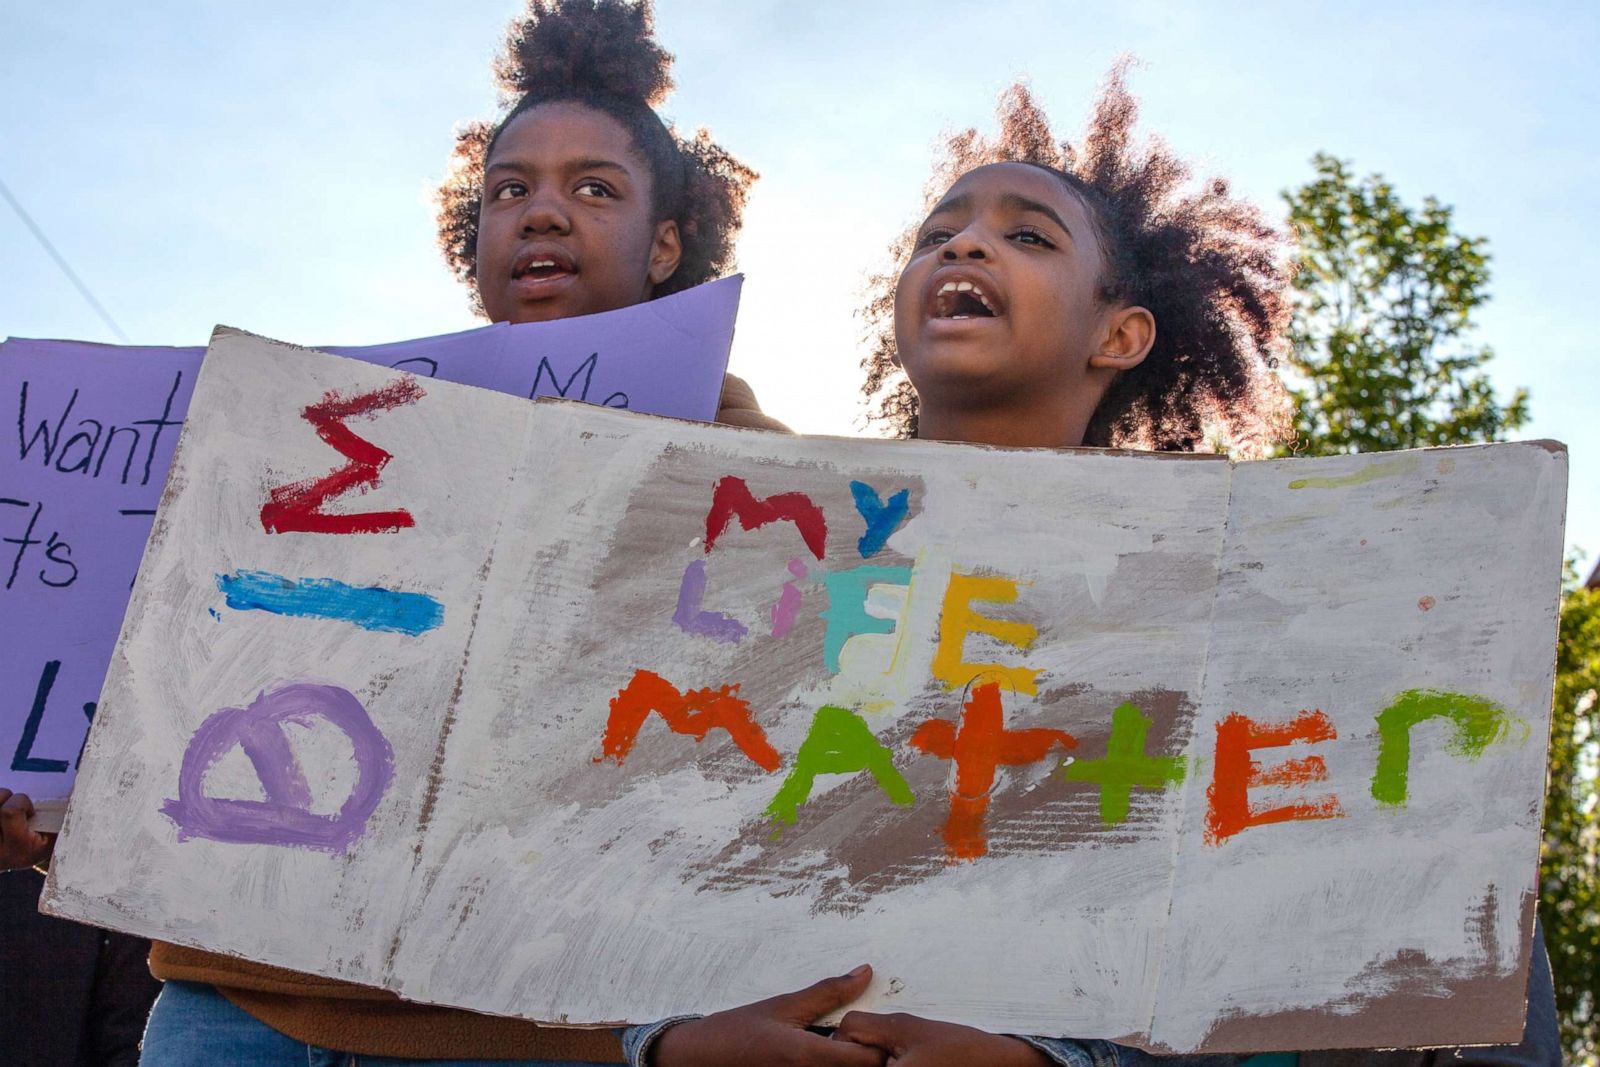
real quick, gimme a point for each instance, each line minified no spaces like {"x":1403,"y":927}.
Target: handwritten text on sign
{"x":1222,"y":757}
{"x":91,"y":431}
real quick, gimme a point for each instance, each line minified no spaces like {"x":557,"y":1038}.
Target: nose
{"x":969,"y":243}
{"x":544,"y":213}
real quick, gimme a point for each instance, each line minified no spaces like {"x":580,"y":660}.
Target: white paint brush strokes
{"x":511,"y":870}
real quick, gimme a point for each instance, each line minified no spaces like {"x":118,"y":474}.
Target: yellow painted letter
{"x":959,"y":619}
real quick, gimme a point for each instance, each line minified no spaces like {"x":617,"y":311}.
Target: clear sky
{"x":270,"y":166}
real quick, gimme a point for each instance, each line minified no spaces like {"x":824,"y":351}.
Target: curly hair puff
{"x":602,"y":54}
{"x":1208,"y":266}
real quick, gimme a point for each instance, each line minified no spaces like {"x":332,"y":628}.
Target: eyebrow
{"x":598,"y":164}
{"x":1014,"y":201}
{"x":1018,"y":202}
{"x":576,"y":164}
{"x":955,"y":203}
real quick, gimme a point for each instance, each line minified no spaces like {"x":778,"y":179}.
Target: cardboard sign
{"x":95,"y":426}
{"x":551,"y":711}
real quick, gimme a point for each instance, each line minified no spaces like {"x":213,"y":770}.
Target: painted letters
{"x":691,"y":618}
{"x":846,"y":614}
{"x":959,"y":619}
{"x":979,"y":746}
{"x":1125,"y":766}
{"x":695,"y":713}
{"x":298,"y":506}
{"x":1236,"y":774}
{"x":882,"y":519}
{"x":732,"y":499}
{"x":285,"y":817}
{"x":1476,"y":723}
{"x":840,"y":742}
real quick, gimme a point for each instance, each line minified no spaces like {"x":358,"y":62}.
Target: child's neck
{"x":1003,"y":427}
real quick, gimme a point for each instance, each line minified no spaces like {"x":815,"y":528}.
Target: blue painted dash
{"x":369,"y":607}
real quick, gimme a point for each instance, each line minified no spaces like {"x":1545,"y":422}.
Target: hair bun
{"x":605,"y":47}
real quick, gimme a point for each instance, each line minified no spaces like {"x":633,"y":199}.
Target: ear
{"x":1130,"y":334}
{"x":665,"y":252}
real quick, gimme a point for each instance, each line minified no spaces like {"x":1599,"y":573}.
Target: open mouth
{"x":962,"y":300}
{"x":542,"y":265}
{"x":542,"y":268}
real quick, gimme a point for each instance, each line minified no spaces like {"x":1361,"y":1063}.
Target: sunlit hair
{"x":1209,"y":267}
{"x":601,"y":54}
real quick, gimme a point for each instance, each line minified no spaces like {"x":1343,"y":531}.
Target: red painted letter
{"x":297,"y":507}
{"x":732,"y":497}
{"x":696,"y":713}
{"x":1237,"y":774}
{"x":979,"y":746}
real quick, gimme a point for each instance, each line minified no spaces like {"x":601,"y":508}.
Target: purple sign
{"x":90,"y":433}
{"x":285,"y":817}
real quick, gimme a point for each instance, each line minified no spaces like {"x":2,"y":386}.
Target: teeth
{"x":967,"y":287}
{"x":536,"y":264}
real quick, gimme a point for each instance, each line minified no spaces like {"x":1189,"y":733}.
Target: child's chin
{"x":957,"y":366}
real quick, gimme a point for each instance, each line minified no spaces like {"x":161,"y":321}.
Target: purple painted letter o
{"x":285,"y":817}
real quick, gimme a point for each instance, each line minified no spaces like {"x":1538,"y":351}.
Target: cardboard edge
{"x":1164,"y":457}
{"x":48,"y":815}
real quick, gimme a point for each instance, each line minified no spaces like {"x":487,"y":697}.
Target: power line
{"x":61,"y":262}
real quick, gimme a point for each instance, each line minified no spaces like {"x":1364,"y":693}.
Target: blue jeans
{"x":195,"y":1026}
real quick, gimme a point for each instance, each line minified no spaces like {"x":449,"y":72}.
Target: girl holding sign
{"x":579,"y":201}
{"x":1102,"y":308}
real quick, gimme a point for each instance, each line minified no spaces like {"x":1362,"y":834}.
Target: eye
{"x":510,"y":191}
{"x":933,"y":237}
{"x":1027,"y":235}
{"x":596,"y":189}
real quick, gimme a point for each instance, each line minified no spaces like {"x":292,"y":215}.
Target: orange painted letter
{"x":1236,"y":774}
{"x":696,"y":713}
{"x":979,"y":746}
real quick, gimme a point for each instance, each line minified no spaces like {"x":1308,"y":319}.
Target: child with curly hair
{"x":1058,"y":296}
{"x":579,"y":200}
{"x":1173,"y":306}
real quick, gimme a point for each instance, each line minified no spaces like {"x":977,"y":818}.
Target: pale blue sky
{"x":270,"y":166}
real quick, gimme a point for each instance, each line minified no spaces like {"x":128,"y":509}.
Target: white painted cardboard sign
{"x":590,"y":717}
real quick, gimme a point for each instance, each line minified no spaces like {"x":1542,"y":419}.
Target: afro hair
{"x":602,"y":54}
{"x":1210,"y":268}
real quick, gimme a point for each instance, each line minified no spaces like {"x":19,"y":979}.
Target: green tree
{"x":1569,"y":887}
{"x":1384,"y":301}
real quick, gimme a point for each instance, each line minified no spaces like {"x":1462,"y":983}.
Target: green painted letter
{"x":1125,"y":765}
{"x":840,"y":742}
{"x":1478,"y":722}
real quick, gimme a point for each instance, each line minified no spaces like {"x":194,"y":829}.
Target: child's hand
{"x":771,"y":1032}
{"x":909,"y":1041}
{"x":19,"y":846}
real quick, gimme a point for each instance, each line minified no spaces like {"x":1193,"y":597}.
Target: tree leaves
{"x":1383,"y":316}
{"x":1569,"y":886}
{"x":1383,"y":306}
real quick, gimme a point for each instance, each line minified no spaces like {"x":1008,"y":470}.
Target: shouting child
{"x":1059,"y":296}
